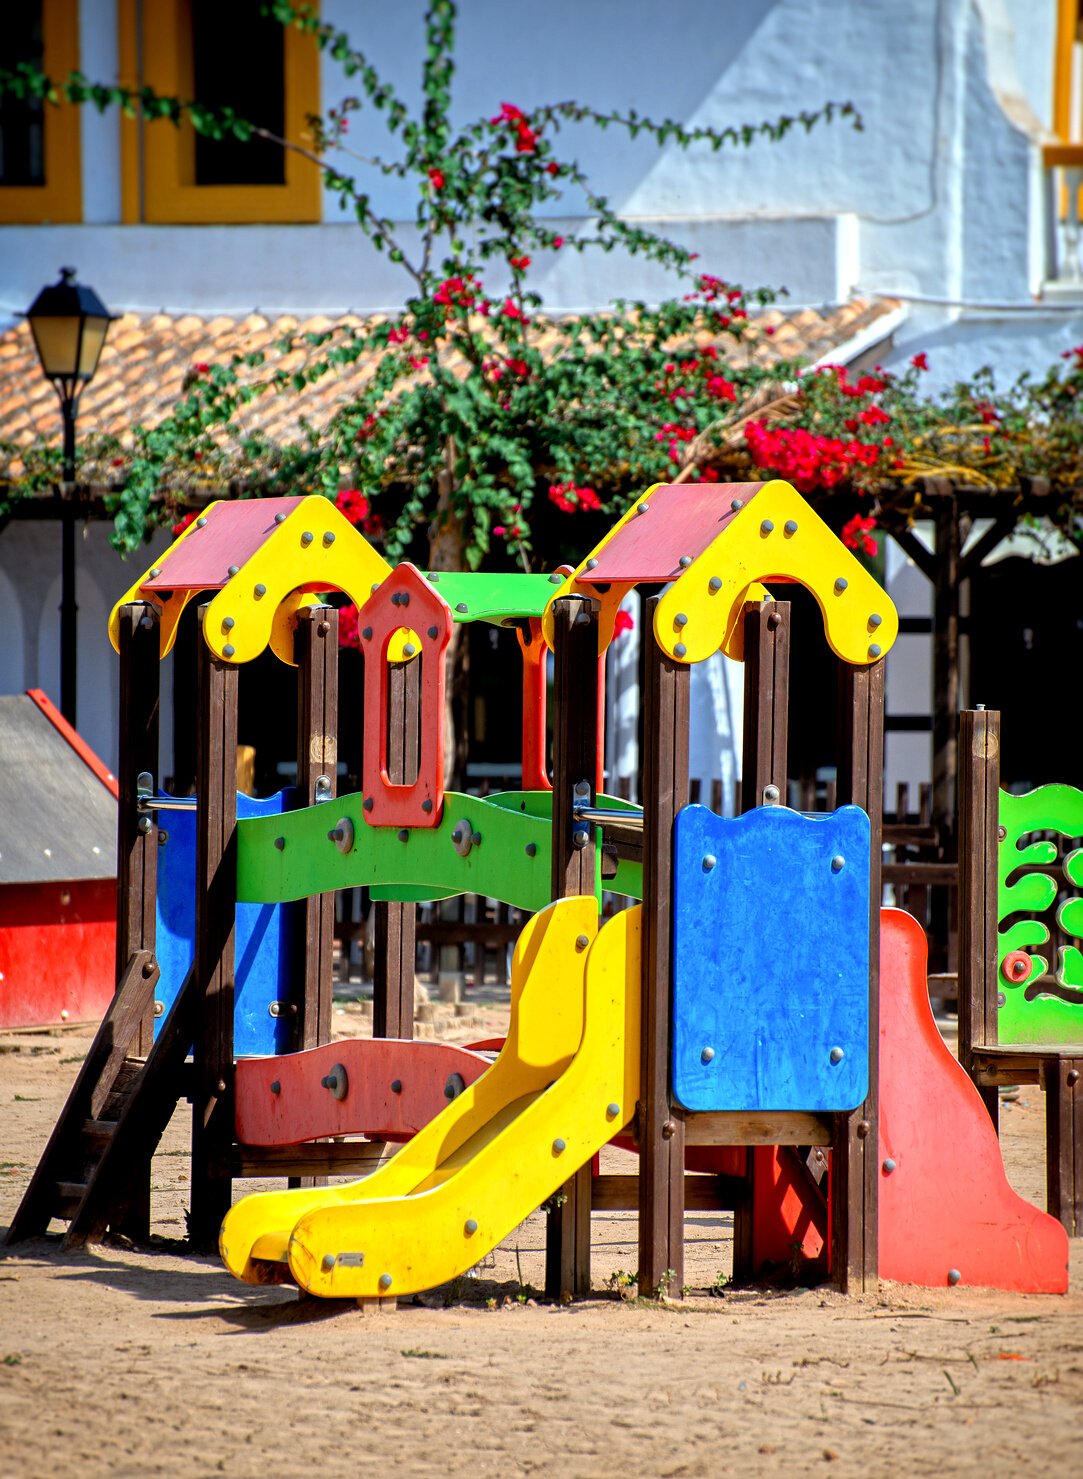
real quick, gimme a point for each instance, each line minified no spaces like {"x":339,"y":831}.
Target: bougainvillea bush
{"x":490,"y":431}
{"x":484,"y":426}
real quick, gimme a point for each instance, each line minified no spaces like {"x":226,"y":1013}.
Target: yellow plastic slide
{"x":566,"y":1080}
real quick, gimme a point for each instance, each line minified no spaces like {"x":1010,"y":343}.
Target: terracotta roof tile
{"x":146,"y":360}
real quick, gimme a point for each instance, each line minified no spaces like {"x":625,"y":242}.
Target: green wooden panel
{"x":498,"y":597}
{"x":1053,"y":1011}
{"x":425,"y":866}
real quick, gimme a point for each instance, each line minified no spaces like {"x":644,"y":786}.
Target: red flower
{"x":558,"y":242}
{"x":552,"y":168}
{"x":202,"y":369}
{"x":568,"y":497}
{"x":512,"y":310}
{"x":526,"y":139}
{"x":920,"y":361}
{"x":354,"y":506}
{"x":179,"y":528}
{"x":347,"y":627}
{"x":856,"y":534}
{"x":623,"y":622}
{"x":519,"y":263}
{"x":436,"y":179}
{"x":509,"y":113}
{"x":397,"y":336}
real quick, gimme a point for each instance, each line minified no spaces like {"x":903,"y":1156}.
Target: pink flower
{"x":436,"y":179}
{"x":558,"y":242}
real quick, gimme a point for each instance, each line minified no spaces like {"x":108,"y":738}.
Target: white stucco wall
{"x":937,"y":196}
{"x":29,"y":574}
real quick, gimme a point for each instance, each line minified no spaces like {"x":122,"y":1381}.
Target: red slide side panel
{"x":428,"y":1075}
{"x":57,"y":951}
{"x":947,"y":1212}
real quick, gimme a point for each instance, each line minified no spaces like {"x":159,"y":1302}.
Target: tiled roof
{"x":147,"y":360}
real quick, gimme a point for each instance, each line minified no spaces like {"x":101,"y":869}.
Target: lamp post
{"x":69,"y":323}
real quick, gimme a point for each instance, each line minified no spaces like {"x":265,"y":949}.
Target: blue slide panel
{"x":771,"y":960}
{"x":264,"y":940}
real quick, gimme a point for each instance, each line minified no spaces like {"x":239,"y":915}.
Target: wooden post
{"x":216,"y":889}
{"x":946,"y":667}
{"x":1063,"y":1084}
{"x":137,"y":837}
{"x":763,"y":763}
{"x":316,"y":652}
{"x":393,"y":969}
{"x":661,"y":1131}
{"x":575,"y":746}
{"x":855,"y":1166}
{"x":979,"y":842}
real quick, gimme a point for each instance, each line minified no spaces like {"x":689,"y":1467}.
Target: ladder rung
{"x":99,"y":1130}
{"x":69,"y":1197}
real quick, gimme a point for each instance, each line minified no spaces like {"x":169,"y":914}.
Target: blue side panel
{"x":263,"y":942}
{"x":771,"y":959}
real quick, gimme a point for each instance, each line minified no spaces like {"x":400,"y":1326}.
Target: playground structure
{"x":729,"y":1019}
{"x":57,"y":864}
{"x":1019,"y":1021}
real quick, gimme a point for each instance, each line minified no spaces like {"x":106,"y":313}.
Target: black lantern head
{"x":69,"y":323}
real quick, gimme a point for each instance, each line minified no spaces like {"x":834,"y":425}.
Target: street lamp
{"x":69,"y":323}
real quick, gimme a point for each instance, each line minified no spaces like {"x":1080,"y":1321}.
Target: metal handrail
{"x":599,"y":815}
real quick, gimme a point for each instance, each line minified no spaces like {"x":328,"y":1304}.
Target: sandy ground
{"x":127,"y":1362}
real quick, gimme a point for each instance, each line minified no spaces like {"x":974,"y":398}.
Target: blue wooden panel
{"x":264,"y":948}
{"x":771,"y":959}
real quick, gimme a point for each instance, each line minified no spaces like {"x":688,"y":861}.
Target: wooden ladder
{"x":114,"y":1117}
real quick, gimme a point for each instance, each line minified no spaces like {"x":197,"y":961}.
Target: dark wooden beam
{"x":979,"y":842}
{"x":137,"y":838}
{"x":316,"y":653}
{"x":854,"y":1188}
{"x":660,"y":1128}
{"x":575,"y":749}
{"x":216,"y":891}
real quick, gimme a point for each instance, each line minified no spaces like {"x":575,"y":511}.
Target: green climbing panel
{"x":498,"y":847}
{"x":1039,"y":1007}
{"x":499,"y":597}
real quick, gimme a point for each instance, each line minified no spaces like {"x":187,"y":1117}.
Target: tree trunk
{"x":446,"y":552}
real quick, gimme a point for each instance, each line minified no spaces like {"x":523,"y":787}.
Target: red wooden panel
{"x":234,"y":531}
{"x":682,"y":519}
{"x":57,"y":947}
{"x":789,"y":1214}
{"x":303,"y":1108}
{"x":947,"y":1212}
{"x":405,"y":599}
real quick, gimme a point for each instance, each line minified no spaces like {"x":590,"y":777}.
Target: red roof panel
{"x":681,"y":520}
{"x":234,"y":531}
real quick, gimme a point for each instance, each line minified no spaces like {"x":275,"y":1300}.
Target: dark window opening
{"x":238,"y":59}
{"x":22,"y":122}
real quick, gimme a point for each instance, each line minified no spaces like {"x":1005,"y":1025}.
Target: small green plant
{"x":13,"y":1360}
{"x":720,"y":1284}
{"x":621,"y":1282}
{"x":663,"y":1287}
{"x":420,"y":1355}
